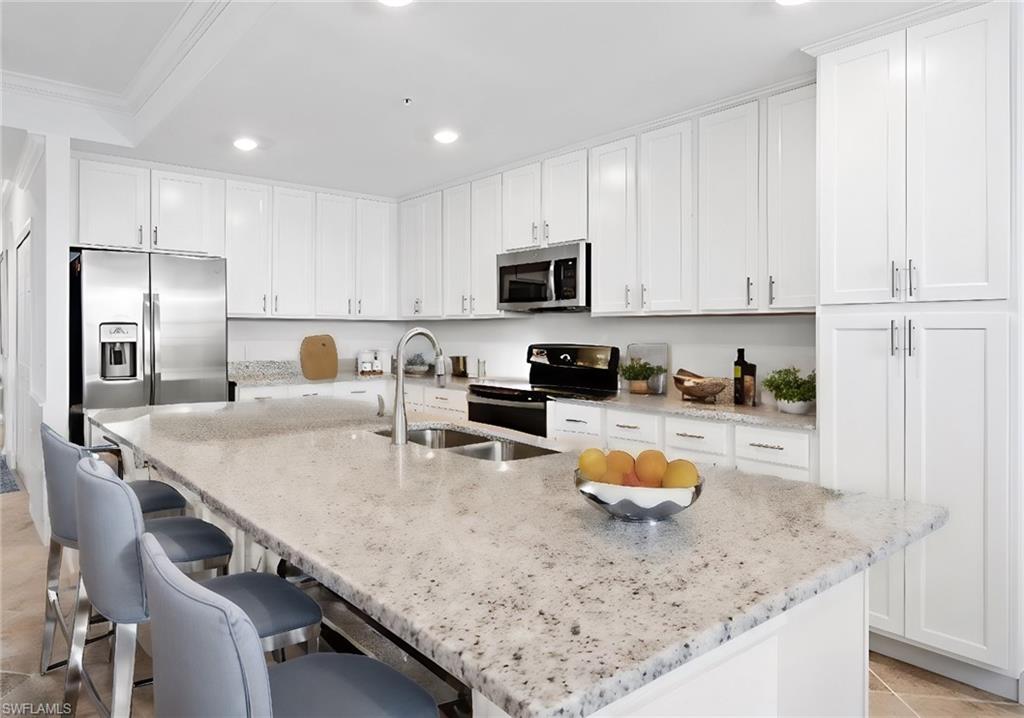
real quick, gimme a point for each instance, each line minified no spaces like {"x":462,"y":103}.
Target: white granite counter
{"x":500,"y":572}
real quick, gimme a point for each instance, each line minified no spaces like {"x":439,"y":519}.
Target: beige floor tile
{"x":885,"y":704}
{"x":875,"y":683}
{"x":906,"y":680}
{"x":933,"y":707}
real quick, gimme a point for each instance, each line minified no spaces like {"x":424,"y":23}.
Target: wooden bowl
{"x":699,"y":388}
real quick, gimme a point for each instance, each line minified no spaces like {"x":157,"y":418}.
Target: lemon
{"x":650,"y":468}
{"x":680,"y":474}
{"x":592,"y":464}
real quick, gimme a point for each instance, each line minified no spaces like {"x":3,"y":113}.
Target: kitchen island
{"x":751,"y":601}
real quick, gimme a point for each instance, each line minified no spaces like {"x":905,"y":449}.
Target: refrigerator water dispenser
{"x":118,"y":350}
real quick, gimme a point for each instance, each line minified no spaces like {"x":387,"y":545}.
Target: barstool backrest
{"x":207,"y":656}
{"x":60,"y":457}
{"x":109,"y":529}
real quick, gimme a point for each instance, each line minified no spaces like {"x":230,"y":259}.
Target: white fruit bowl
{"x":637,"y":503}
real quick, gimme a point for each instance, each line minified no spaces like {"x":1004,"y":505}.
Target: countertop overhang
{"x":500,"y":572}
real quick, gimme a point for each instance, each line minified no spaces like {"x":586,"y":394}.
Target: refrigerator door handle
{"x":156,"y":349}
{"x":147,"y":348}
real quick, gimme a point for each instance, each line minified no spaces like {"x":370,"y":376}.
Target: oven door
{"x":529,"y":415}
{"x":545,"y":279}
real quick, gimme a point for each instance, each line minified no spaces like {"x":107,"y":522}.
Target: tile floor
{"x":897,"y":689}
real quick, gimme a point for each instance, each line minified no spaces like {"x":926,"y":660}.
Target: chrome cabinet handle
{"x":264,"y":303}
{"x":358,"y":391}
{"x":312,"y":393}
{"x":155,"y":240}
{"x":894,"y":343}
{"x":910,"y":337}
{"x":472,"y":304}
{"x":627,"y":296}
{"x":643,"y":295}
{"x":463,"y":303}
{"x":773,"y":447}
{"x":547,"y":231}
{"x":140,"y":235}
{"x":771,"y":289}
{"x":350,"y":305}
{"x":533,"y":232}
{"x":441,"y":398}
{"x":910,"y":277}
{"x":627,"y":426}
{"x":359,"y":307}
{"x":575,"y":421}
{"x":685,"y":435}
{"x":749,"y":296}
{"x":894,"y":279}
{"x":275,"y":302}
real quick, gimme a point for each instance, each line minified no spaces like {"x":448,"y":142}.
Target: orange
{"x":620,"y":461}
{"x":681,"y":474}
{"x":612,"y":477}
{"x":630,"y":479}
{"x":650,"y":467}
{"x":593,"y":464}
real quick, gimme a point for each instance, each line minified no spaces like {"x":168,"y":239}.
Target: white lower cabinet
{"x":448,"y":401}
{"x":703,"y":442}
{"x":774,"y":451}
{"x":576,"y":425}
{"x":918,"y":408}
{"x":632,"y":430}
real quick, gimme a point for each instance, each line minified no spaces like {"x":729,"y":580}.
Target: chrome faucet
{"x":400,"y":427}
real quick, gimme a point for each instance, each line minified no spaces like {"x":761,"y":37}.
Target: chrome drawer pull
{"x":315,"y":393}
{"x":441,"y":398}
{"x":688,"y":436}
{"x":773,"y":447}
{"x":627,"y":426}
{"x":575,"y":421}
{"x":358,"y":391}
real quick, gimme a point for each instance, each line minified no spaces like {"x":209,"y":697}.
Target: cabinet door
{"x":520,"y":207}
{"x":727,"y":241}
{"x":113,"y":205}
{"x":458,"y":259}
{"x":178,"y":207}
{"x":862,"y":171}
{"x":564,"y":197}
{"x":791,"y":198}
{"x":486,"y":232}
{"x":410,"y":233}
{"x":335,"y":253}
{"x":958,"y":156}
{"x":420,"y":291}
{"x":958,"y":579}
{"x":374,"y":264}
{"x":248,"y":249}
{"x":613,"y":227}
{"x":860,"y":425}
{"x":293,"y":262}
{"x":668,"y":252}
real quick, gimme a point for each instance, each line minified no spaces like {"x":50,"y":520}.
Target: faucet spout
{"x":400,"y":425}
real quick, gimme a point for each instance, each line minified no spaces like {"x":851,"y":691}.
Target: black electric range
{"x":578,"y":371}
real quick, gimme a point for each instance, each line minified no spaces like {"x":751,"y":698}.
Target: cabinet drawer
{"x":273,"y":391}
{"x":365,"y":391}
{"x":791,"y":448}
{"x":447,"y":399}
{"x":413,"y":395}
{"x":575,"y":419}
{"x":706,"y":437}
{"x":642,"y":428}
{"x":322,"y":389}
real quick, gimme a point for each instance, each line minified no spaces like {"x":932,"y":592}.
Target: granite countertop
{"x":268,"y":373}
{"x":500,"y":572}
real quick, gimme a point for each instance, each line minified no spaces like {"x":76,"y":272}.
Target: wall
{"x":704,"y":344}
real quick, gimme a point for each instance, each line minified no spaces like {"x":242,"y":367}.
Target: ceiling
{"x":320,"y":85}
{"x":98,"y":45}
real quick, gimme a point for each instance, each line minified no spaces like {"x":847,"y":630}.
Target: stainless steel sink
{"x":440,"y":438}
{"x":502,"y":450}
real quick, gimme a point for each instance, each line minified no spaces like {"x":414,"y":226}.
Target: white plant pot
{"x":795,"y":407}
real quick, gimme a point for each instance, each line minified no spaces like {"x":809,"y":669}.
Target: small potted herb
{"x":638,"y":372}
{"x":794,"y":394}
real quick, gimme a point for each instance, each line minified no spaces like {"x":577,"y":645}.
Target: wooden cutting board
{"x":318,"y":356}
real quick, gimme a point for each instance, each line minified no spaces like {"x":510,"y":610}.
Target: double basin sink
{"x":476,"y":446}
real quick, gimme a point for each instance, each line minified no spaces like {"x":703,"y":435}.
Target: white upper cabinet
{"x":790,"y":201}
{"x":458,"y":251}
{"x":668,"y":250}
{"x":375,"y":267}
{"x":727,"y":212}
{"x":564,"y":197}
{"x":420,"y":231}
{"x":247,"y":249}
{"x":485,"y":227}
{"x":862,"y":185}
{"x":958,"y":156}
{"x":521,"y":189}
{"x":613,"y":227}
{"x":177,"y":212}
{"x":958,"y":432}
{"x":860,"y":424}
{"x":293,"y":253}
{"x":335,"y":253}
{"x":113,"y":205}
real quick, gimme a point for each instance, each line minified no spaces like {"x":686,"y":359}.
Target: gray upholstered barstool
{"x":59,"y":460}
{"x":220,"y":670}
{"x":110,"y":527}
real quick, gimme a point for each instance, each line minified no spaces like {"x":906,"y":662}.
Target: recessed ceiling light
{"x":246,"y":144}
{"x":791,"y":2}
{"x":446,"y":137}
{"x":395,"y":3}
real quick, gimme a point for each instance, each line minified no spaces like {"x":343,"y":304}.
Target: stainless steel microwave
{"x":547,"y":279}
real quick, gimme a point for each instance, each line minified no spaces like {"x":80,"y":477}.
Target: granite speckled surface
{"x":501,"y":573}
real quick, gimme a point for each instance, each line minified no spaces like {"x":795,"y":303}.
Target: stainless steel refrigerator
{"x":145,"y":329}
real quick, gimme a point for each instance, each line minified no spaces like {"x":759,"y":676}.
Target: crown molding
{"x":32,"y":85}
{"x":895,"y":24}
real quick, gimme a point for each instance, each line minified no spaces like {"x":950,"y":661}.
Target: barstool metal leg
{"x":79,"y":630}
{"x":313,"y":642}
{"x":53,"y":562}
{"x":126,"y":635}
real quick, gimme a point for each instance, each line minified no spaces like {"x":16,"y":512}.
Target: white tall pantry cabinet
{"x":915,"y":385}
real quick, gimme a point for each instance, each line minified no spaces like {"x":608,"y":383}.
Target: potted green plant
{"x":794,"y":394}
{"x":637,"y":372}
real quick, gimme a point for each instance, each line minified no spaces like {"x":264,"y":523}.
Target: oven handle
{"x":552,"y":297}
{"x":534,"y":405}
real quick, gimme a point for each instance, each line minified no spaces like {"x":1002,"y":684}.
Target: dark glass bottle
{"x":737,"y":378}
{"x":749,"y":384}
